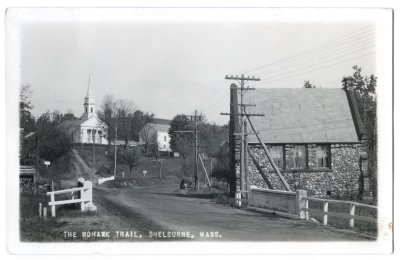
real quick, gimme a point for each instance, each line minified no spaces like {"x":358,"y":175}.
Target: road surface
{"x":167,"y":209}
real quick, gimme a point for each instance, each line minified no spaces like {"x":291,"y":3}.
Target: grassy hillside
{"x":172,"y":169}
{"x":99,"y":158}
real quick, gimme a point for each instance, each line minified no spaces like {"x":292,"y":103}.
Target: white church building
{"x":88,"y":128}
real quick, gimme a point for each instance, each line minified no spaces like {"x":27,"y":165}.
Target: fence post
{"x":300,"y":203}
{"x":307,"y":213}
{"x":40,"y":210}
{"x":352,"y":211}
{"x":326,"y":213}
{"x":44,"y":212}
{"x":53,"y":206}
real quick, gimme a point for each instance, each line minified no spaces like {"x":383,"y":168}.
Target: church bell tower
{"x":90,"y":105}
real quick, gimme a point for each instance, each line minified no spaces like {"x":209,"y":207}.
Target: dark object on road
{"x":186,"y":184}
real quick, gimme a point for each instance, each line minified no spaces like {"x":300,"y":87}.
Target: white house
{"x":88,"y":128}
{"x":156,"y":132}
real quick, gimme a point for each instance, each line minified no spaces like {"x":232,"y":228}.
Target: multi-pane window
{"x":297,"y":157}
{"x":277,"y":155}
{"x":323,"y":156}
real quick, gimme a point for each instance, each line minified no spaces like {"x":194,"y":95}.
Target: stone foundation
{"x":344,"y":178}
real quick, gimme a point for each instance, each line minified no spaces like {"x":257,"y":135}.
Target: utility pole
{"x":93,"y":140}
{"x":241,"y":186}
{"x":196,"y":150}
{"x":195,"y":119}
{"x":115,"y":150}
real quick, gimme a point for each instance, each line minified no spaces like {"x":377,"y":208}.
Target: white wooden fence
{"x":102,"y":180}
{"x":85,"y":198}
{"x":305,"y":210}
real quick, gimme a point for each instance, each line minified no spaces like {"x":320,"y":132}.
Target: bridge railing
{"x":305,"y":210}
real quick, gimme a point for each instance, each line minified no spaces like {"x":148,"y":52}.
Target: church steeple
{"x":90,"y":105}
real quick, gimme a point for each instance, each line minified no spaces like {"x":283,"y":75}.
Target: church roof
{"x":72,"y":123}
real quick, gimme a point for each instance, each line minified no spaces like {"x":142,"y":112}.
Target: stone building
{"x":315,"y":137}
{"x":88,"y":128}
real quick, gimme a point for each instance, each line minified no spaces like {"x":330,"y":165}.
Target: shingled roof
{"x":300,"y":115}
{"x":159,"y":127}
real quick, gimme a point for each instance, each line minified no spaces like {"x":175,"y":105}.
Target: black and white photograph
{"x":142,"y":126}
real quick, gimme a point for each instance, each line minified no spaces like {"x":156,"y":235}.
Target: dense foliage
{"x":365,"y":87}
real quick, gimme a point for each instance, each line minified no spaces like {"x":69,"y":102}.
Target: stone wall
{"x":342,"y":180}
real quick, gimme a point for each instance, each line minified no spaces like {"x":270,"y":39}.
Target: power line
{"x":317,"y":47}
{"x":212,"y":92}
{"x":329,"y":53}
{"x":330,"y":65}
{"x":325,"y":61}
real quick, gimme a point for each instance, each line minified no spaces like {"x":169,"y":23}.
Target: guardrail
{"x":85,"y":198}
{"x":305,"y":210}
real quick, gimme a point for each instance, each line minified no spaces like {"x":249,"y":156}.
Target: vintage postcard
{"x":191,"y":129}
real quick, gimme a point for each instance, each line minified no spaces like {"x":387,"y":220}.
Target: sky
{"x":170,"y":67}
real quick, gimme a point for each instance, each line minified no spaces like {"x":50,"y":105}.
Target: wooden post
{"x":307,"y":213}
{"x":40,"y":210}
{"x":205,"y":171}
{"x":352,"y":211}
{"x":300,"y":203}
{"x":53,"y":206}
{"x":161,"y":168}
{"x":211,"y":172}
{"x":326,"y":213}
{"x":246,"y":162}
{"x":260,"y":170}
{"x":44,"y":212}
{"x":277,"y":171}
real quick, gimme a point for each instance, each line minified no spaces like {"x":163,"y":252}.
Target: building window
{"x":91,"y":110}
{"x":277,"y":155}
{"x":297,"y":157}
{"x":86,"y":109}
{"x":323,"y":156}
{"x":165,"y":138}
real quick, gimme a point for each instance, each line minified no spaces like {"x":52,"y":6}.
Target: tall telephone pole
{"x":195,"y":119}
{"x":241,"y":186}
{"x":115,"y":150}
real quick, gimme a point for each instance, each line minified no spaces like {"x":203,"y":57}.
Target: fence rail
{"x":85,"y":198}
{"x":325,"y":211}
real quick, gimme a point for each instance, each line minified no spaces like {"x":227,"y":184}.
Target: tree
{"x":129,"y":157}
{"x":108,"y":116}
{"x":139,"y":120}
{"x":364,"y":87}
{"x":146,"y":135}
{"x":307,"y":84}
{"x":27,"y":125}
{"x":211,"y":136}
{"x":27,"y":121}
{"x":125,"y":109}
{"x":52,"y":140}
{"x":180,"y":142}
{"x":221,"y":170}
{"x":69,"y":116}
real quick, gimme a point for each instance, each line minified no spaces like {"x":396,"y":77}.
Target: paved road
{"x":168,"y":209}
